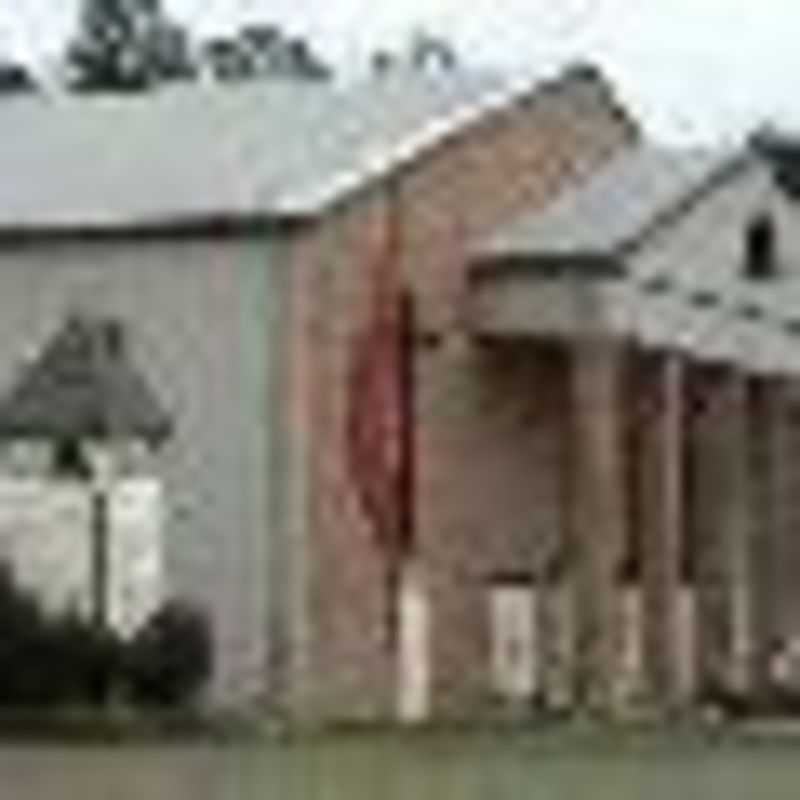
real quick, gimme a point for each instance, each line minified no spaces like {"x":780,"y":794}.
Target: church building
{"x":446,"y":395}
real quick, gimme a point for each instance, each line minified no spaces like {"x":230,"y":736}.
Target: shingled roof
{"x":595,"y":259}
{"x":263,"y":149}
{"x":614,"y":209}
{"x":83,"y":385}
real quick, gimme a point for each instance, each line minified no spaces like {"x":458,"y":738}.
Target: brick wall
{"x":490,"y":494}
{"x":487,"y":428}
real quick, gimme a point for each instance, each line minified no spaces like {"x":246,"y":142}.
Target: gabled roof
{"x":613,"y":210}
{"x":194,"y":153}
{"x":83,"y":385}
{"x":652,"y":248}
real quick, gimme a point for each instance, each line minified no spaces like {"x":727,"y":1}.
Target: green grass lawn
{"x":359,"y":767}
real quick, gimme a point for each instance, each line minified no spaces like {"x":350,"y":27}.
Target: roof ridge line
{"x":672,"y":212}
{"x":439,"y":129}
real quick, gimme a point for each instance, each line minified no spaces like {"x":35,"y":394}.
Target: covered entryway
{"x":676,"y":390}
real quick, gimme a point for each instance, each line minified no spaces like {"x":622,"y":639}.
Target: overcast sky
{"x":691,"y":69}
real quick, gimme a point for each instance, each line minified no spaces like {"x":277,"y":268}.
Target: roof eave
{"x":311,"y":202}
{"x":222,"y":225}
{"x":670,"y":215}
{"x":154,"y":435}
{"x":439,"y":131}
{"x":577,"y":264}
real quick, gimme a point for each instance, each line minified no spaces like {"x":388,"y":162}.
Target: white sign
{"x":44,"y":540}
{"x":513,"y":637}
{"x":631,"y":656}
{"x":136,"y":579}
{"x":46,"y":530}
{"x":414,"y":651}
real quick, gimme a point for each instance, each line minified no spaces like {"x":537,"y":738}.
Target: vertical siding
{"x":203,"y":330}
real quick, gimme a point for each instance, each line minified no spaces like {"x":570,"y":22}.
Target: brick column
{"x":598,"y":512}
{"x":556,"y":643}
{"x":721,"y":523}
{"x":767,"y":440}
{"x":662,"y":519}
{"x":556,"y":572}
{"x":746,"y":487}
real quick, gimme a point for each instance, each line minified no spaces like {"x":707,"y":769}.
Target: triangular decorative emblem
{"x":84,"y":385}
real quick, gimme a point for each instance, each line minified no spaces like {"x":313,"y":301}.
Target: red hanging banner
{"x":380,"y":413}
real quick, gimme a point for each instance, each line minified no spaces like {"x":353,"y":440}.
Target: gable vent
{"x":760,"y":257}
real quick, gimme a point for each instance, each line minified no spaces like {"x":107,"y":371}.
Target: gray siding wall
{"x":205,"y":321}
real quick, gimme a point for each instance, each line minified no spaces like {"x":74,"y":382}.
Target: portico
{"x":678,"y":384}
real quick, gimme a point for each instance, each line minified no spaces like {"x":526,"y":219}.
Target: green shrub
{"x":90,"y":661}
{"x":26,"y":655}
{"x":67,"y":662}
{"x":169,"y":660}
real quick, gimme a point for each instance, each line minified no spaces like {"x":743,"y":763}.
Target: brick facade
{"x":489,"y":466}
{"x":623,"y":484}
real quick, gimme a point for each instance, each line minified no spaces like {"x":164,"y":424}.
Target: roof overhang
{"x":577,"y":265}
{"x":72,"y":193}
{"x":733,"y":323}
{"x":223,"y":225}
{"x":546,"y":298}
